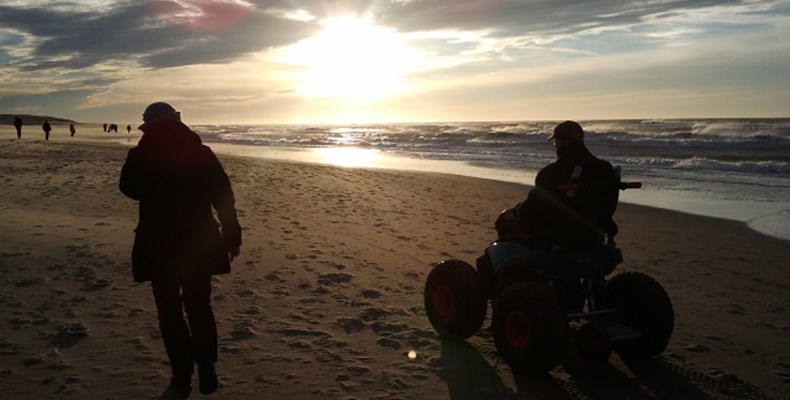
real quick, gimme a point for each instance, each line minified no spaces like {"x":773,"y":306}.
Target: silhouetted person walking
{"x":18,"y":125}
{"x":178,"y":245}
{"x":128,"y":129}
{"x":46,"y":129}
{"x":72,"y":129}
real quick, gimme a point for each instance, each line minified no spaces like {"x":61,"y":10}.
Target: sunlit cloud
{"x":296,"y":15}
{"x":202,"y":15}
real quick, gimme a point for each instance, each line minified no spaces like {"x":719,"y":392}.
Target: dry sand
{"x":325,"y":301}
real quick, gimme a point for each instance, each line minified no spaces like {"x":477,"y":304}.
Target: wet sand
{"x":326,"y":299}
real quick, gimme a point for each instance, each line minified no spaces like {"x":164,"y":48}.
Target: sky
{"x":362,"y":61}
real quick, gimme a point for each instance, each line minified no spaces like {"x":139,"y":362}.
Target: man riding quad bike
{"x":543,"y":290}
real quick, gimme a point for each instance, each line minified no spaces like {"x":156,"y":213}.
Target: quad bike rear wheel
{"x":642,"y":304}
{"x":529,"y":327}
{"x":454,"y":299}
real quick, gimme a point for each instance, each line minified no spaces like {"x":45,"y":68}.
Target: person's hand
{"x":234,"y":252}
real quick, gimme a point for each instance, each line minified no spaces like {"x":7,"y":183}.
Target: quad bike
{"x":540,"y":298}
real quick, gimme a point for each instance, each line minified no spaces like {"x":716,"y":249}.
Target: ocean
{"x":737,"y":169}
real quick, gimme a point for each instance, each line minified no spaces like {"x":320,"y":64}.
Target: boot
{"x":208,"y":377}
{"x":182,"y":385}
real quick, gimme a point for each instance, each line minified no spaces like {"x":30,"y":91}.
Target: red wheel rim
{"x":443,"y":301}
{"x":517,"y":329}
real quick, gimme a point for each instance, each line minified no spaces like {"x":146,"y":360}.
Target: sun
{"x":351,"y":58}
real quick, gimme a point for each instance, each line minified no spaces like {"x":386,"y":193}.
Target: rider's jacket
{"x":551,"y":217}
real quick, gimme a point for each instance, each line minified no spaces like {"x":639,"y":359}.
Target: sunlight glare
{"x":351,"y":58}
{"x":352,"y":157}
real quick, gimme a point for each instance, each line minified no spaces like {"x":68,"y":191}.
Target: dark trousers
{"x":186,"y":343}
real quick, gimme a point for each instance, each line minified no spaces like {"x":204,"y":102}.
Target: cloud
{"x":262,"y":31}
{"x":150,"y":32}
{"x":171,"y":33}
{"x":100,"y":56}
{"x":44,"y":103}
{"x":532,"y":17}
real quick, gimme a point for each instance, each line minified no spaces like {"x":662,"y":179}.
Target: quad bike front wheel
{"x":529,"y":327}
{"x":592,"y":344}
{"x":643,"y":305}
{"x":454,"y":299}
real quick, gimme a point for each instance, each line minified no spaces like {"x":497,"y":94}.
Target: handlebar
{"x":630,"y":185}
{"x":570,"y":187}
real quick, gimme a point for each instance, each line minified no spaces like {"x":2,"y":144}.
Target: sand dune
{"x":326,"y":299}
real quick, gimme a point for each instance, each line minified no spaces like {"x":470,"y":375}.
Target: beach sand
{"x":325,"y":301}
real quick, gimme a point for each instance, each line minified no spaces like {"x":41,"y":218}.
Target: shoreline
{"x":771,"y":219}
{"x":768,"y":218}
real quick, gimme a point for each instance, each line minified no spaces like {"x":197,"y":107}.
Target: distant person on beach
{"x":178,"y":245}
{"x":18,"y":125}
{"x":72,"y":129}
{"x":555,"y":219}
{"x":113,"y":128}
{"x":104,"y":127}
{"x":45,"y":126}
{"x":128,"y":129}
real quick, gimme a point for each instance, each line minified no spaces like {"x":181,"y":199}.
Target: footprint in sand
{"x":408,"y":288}
{"x":135,"y":311}
{"x":413,"y":275}
{"x":735,"y":309}
{"x":305,"y":339}
{"x":68,"y":335}
{"x":390,"y":343}
{"x":351,"y":325}
{"x":697,"y":348}
{"x":138,"y":343}
{"x":334,"y":278}
{"x":246,"y":293}
{"x":7,"y":348}
{"x":422,"y":339}
{"x":33,"y":361}
{"x":98,"y":284}
{"x":274,"y":276}
{"x":373,"y":314}
{"x":26,"y":282}
{"x":243,"y":330}
{"x":387,"y":329}
{"x":370,"y":294}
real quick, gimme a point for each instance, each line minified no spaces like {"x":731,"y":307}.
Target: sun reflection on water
{"x":347,"y":156}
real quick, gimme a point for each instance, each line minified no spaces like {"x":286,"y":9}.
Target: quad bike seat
{"x":570,"y":264}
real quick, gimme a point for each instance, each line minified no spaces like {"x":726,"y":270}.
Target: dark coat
{"x":573,"y":220}
{"x":177,"y":181}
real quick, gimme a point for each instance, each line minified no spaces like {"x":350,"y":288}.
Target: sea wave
{"x":749,"y":146}
{"x":703,"y":165}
